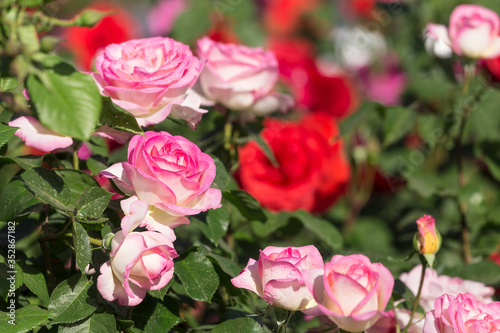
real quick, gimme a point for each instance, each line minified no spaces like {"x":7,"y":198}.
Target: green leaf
{"x":92,"y":203}
{"x":116,"y":117}
{"x":49,"y":187}
{"x":29,"y":38}
{"x":83,"y":250}
{"x":184,"y":31}
{"x":198,"y":276}
{"x":154,"y":316}
{"x":15,"y":198}
{"x":27,"y":318}
{"x":218,"y":222}
{"x":247,"y":325}
{"x":491,"y":156}
{"x":35,"y":281}
{"x":398,"y":122}
{"x":222,"y":178}
{"x":6,"y":133}
{"x":160,"y":294}
{"x":26,"y":162}
{"x":8,"y":83}
{"x":78,"y":182}
{"x":70,"y":300}
{"x":96,"y":164}
{"x":97,"y":323}
{"x":267,"y":150}
{"x":323,"y":229}
{"x":229,"y":267}
{"x":68,"y":103}
{"x":246,"y":204}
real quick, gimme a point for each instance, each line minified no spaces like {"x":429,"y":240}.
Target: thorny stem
{"x":417,"y":299}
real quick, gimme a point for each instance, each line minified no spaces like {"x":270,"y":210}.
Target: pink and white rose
{"x":277,"y":276}
{"x":473,"y":32}
{"x":351,"y":291}
{"x":35,"y":135}
{"x":241,"y":78}
{"x":436,"y":285}
{"x":150,"y":78}
{"x":462,"y":313}
{"x":171,"y":174}
{"x":139,"y":261}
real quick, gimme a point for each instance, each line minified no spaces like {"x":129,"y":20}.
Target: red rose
{"x":85,"y":42}
{"x":312,"y":88}
{"x":312,"y":173}
{"x":283,"y":17}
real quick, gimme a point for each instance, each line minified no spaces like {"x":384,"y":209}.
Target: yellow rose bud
{"x":428,"y":238}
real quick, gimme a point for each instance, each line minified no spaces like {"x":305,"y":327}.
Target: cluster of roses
{"x":352,"y":292}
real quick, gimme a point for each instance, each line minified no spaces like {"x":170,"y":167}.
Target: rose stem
{"x":417,"y":299}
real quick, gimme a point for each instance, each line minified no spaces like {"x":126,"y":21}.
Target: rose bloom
{"x":171,"y":174}
{"x":241,"y":78}
{"x":436,"y":285}
{"x":314,"y":87}
{"x":139,"y":261}
{"x":463,"y":314}
{"x":277,"y":276}
{"x":472,"y":32}
{"x":312,"y":171}
{"x":351,"y":291}
{"x":150,"y":78}
{"x":84,"y":42}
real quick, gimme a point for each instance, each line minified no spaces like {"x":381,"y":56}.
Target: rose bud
{"x":428,"y":239}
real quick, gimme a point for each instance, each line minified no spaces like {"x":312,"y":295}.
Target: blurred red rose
{"x":493,"y":66}
{"x":116,"y":28}
{"x":313,"y":89}
{"x":312,"y":173}
{"x":283,"y":16}
{"x":355,"y":8}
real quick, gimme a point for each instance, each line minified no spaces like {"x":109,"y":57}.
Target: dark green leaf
{"x":198,"y":276}
{"x":83,"y":250}
{"x":35,"y":281}
{"x":160,"y":294}
{"x":26,"y":162}
{"x":491,"y":156}
{"x":116,"y":117}
{"x":154,"y":316}
{"x":69,"y":103}
{"x":78,"y":182}
{"x":246,"y":204}
{"x":49,"y":187}
{"x":14,"y":199}
{"x":27,"y":318}
{"x":398,"y":122}
{"x":323,"y":229}
{"x":70,"y":300}
{"x":222,"y":178}
{"x":247,"y":325}
{"x":92,"y":203}
{"x":218,"y":222}
{"x":96,"y":164}
{"x":6,"y":133}
{"x":229,"y":267}
{"x":97,"y":323}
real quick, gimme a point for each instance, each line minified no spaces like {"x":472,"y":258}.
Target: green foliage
{"x":35,"y":281}
{"x":239,"y":325}
{"x":49,"y":187}
{"x":81,"y":242}
{"x":15,"y":198}
{"x":98,"y":322}
{"x":27,"y":318}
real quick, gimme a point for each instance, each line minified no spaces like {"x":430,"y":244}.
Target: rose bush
{"x":351,"y":291}
{"x":472,"y":32}
{"x":312,"y":171}
{"x":150,"y":78}
{"x":277,"y":276}
{"x":171,"y":174}
{"x":241,"y":78}
{"x":139,"y":261}
{"x":462,"y":313}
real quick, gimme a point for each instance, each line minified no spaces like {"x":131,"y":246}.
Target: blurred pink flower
{"x":162,"y":16}
{"x":463,"y":314}
{"x":351,"y":291}
{"x":277,"y":276}
{"x":473,"y":32}
{"x":241,"y":78}
{"x":436,"y":285}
